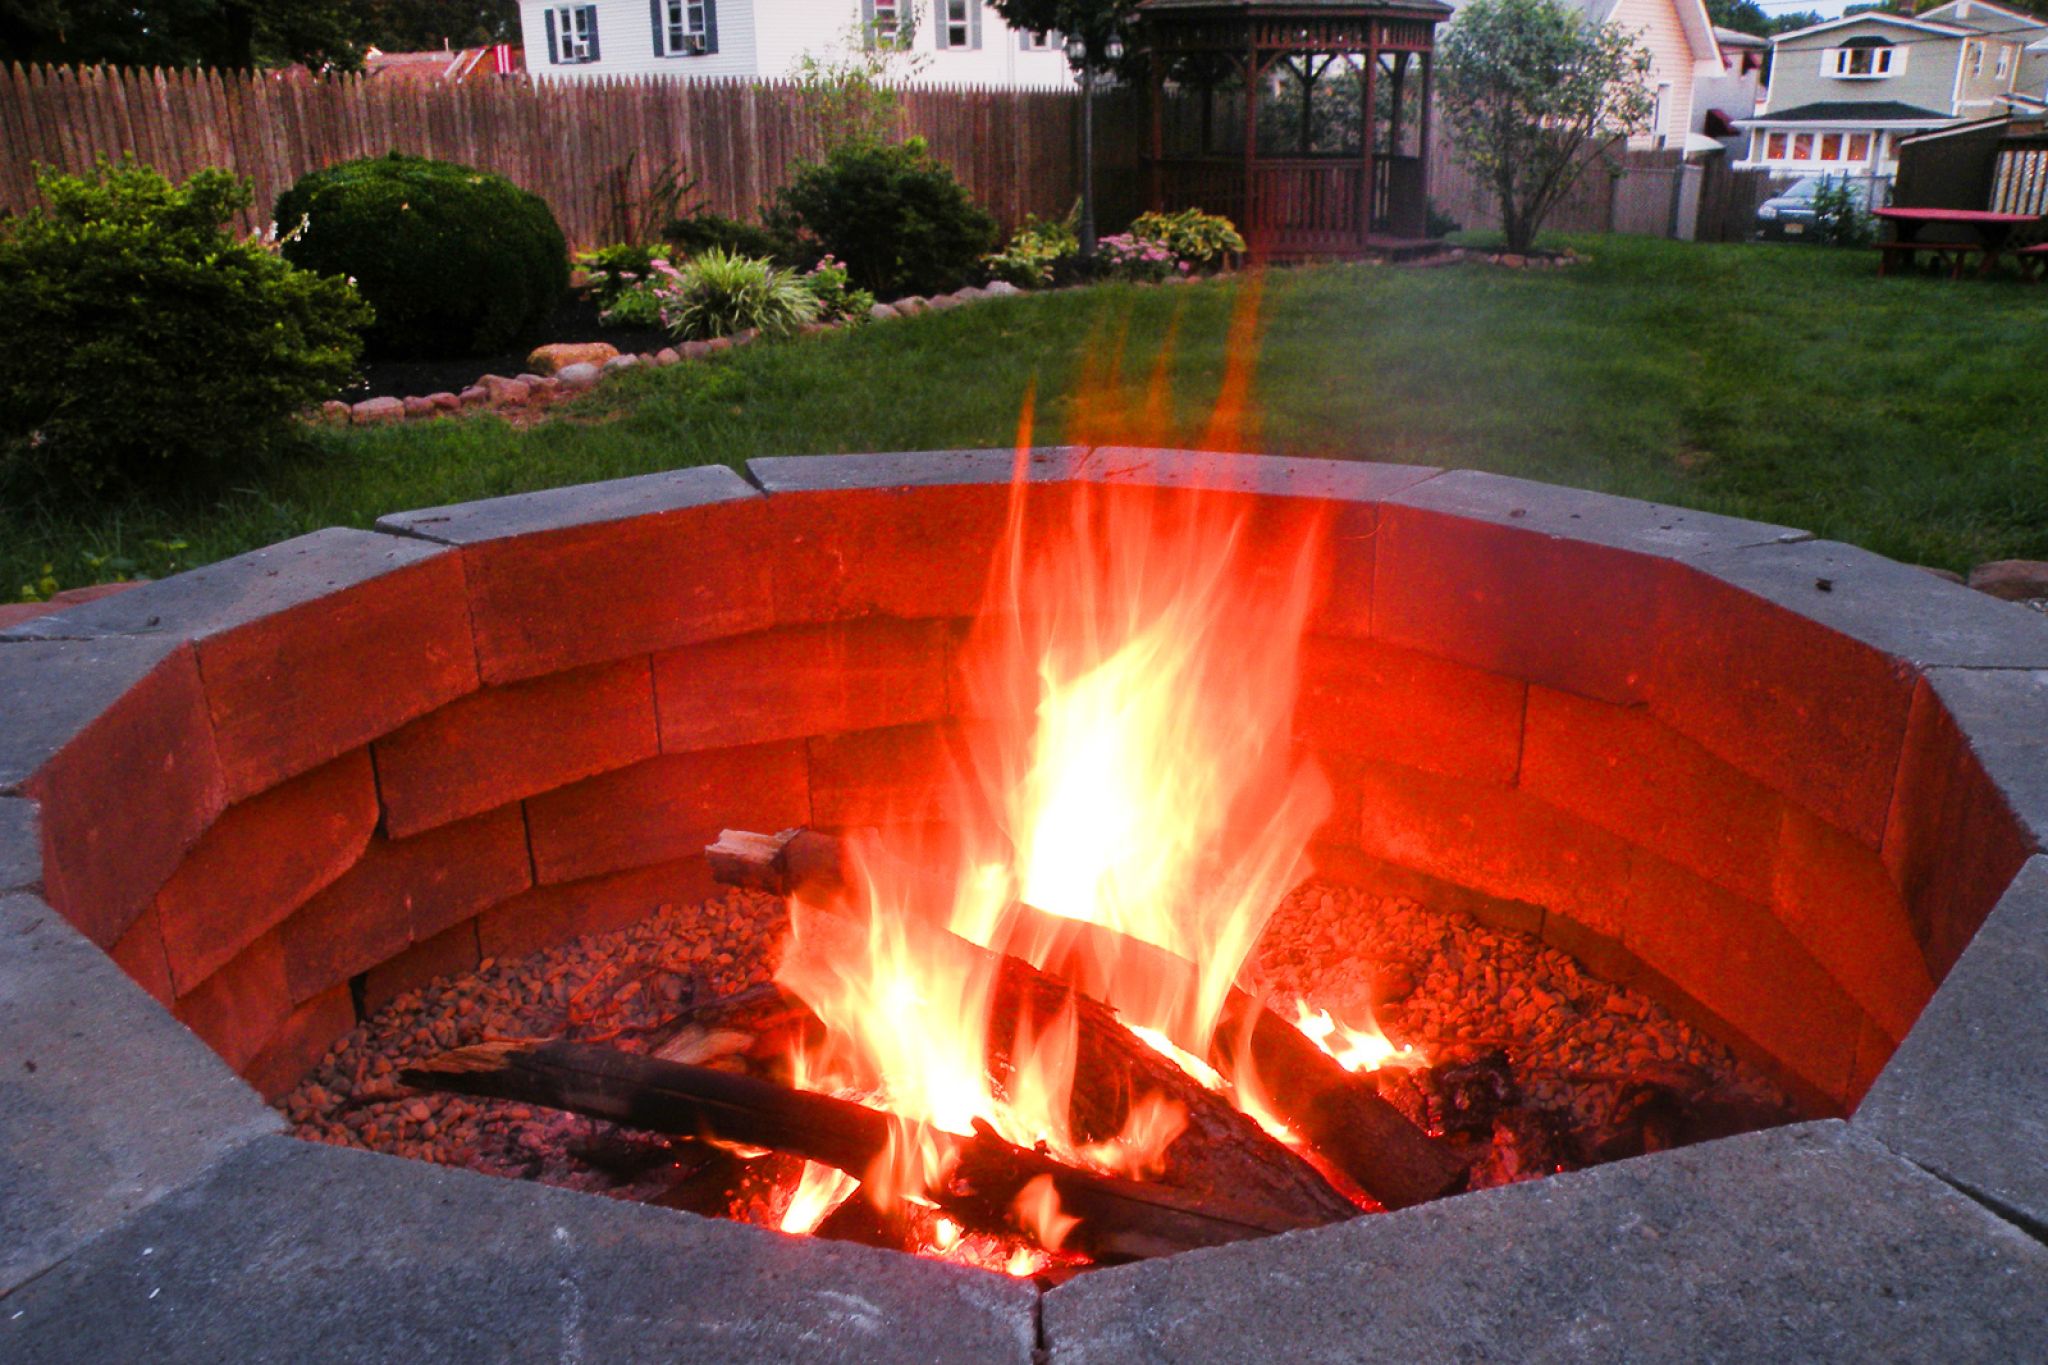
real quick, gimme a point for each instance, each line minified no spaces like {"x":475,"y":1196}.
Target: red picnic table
{"x":1949,"y":235}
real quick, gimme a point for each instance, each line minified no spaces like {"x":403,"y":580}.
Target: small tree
{"x":853,"y":90}
{"x":1535,"y":93}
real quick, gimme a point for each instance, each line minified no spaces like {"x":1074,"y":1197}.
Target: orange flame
{"x":1356,"y":1049}
{"x":1136,"y":658}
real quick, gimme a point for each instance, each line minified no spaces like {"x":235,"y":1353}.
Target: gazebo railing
{"x":1303,"y":206}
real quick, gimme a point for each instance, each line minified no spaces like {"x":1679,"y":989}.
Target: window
{"x":572,"y":34}
{"x":1040,"y":41}
{"x":1974,"y":52}
{"x":1859,"y":146}
{"x":959,"y":24}
{"x":883,"y":23}
{"x":1864,"y":58}
{"x":2004,"y":60}
{"x":1830,"y":146}
{"x":1660,"y":112}
{"x":1777,"y":147}
{"x":682,"y":28}
{"x":1802,"y":146}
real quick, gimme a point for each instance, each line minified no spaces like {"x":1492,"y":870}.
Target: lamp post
{"x":1087,"y":62}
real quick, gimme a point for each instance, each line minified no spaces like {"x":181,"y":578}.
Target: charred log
{"x":1121,"y":1219}
{"x":1341,"y":1115}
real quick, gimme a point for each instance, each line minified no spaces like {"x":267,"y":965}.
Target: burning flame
{"x":1136,"y":656}
{"x":1365,"y":1049}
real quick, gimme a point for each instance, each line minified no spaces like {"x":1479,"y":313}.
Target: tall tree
{"x":418,"y":25}
{"x":229,"y":33}
{"x":1535,"y":93}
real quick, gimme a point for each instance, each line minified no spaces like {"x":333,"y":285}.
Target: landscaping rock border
{"x":581,"y":370}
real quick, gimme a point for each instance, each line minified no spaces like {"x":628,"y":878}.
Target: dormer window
{"x":572,"y":34}
{"x":1863,"y":59}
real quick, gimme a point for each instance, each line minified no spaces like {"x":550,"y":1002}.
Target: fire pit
{"x":1784,"y":788}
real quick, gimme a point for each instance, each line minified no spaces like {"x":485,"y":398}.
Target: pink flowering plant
{"x":1128,"y":257}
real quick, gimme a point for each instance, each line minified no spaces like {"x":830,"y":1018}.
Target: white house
{"x":956,"y":42}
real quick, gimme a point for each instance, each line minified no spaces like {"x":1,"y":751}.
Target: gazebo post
{"x":1155,"y":64}
{"x":1254,"y":230}
{"x":1366,"y":194}
{"x":1394,"y":120}
{"x":1422,"y":144}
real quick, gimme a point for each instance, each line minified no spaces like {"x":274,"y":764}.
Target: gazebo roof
{"x":1411,"y":9}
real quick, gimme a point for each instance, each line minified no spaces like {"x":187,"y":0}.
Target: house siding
{"x":1656,"y":24}
{"x":1928,"y":82}
{"x":765,"y":39}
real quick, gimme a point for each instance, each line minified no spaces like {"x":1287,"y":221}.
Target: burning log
{"x":1121,"y":1220}
{"x":1340,"y":1114}
{"x":1220,"y":1148}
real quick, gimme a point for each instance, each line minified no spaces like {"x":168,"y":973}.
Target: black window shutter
{"x":591,"y":12}
{"x":868,"y":37}
{"x":554,"y":47}
{"x":711,"y":25}
{"x":657,"y":10}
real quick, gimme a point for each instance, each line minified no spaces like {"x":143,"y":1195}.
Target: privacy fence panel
{"x":600,"y":152}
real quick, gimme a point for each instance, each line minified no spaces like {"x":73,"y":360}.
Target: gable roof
{"x":1951,"y":13}
{"x":1878,"y":17}
{"x":1848,"y":111}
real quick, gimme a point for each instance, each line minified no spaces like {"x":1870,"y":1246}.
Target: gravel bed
{"x":1574,"y":1044}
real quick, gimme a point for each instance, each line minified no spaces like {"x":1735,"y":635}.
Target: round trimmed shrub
{"x":456,"y":261}
{"x":147,"y":346}
{"x":892,"y":212}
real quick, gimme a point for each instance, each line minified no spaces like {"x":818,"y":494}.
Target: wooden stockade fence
{"x":594,"y":150}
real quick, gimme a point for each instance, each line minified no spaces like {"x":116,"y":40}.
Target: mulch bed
{"x":575,"y":320}
{"x":1537,"y":1066}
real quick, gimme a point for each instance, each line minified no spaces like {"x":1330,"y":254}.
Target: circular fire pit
{"x":1792,"y":790}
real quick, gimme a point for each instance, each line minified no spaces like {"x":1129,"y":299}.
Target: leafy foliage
{"x":1839,"y":218}
{"x":1038,"y":254}
{"x":612,"y":271}
{"x":1203,"y":240}
{"x":838,"y":299}
{"x":150,"y":346}
{"x":1536,"y":93}
{"x":717,"y":294}
{"x":229,"y":33}
{"x":456,"y":261}
{"x":893,"y":213}
{"x":417,"y":25}
{"x":853,"y":91}
{"x":703,"y":230}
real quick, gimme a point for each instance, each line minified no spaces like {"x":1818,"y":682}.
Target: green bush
{"x":703,"y":231}
{"x":456,"y":261}
{"x":145,"y":344}
{"x":718,"y":293}
{"x":1201,"y":239}
{"x":612,"y":271}
{"x":896,"y":216}
{"x":1038,"y":254}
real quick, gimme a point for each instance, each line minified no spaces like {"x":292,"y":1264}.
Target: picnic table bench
{"x":1951,"y":237}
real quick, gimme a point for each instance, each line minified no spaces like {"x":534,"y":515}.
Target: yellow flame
{"x":821,"y":1189}
{"x":1365,"y":1049}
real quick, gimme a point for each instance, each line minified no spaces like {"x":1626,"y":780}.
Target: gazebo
{"x":1304,"y":121}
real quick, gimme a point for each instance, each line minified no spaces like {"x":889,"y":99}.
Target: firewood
{"x":1121,"y":1219}
{"x":1339,"y":1114}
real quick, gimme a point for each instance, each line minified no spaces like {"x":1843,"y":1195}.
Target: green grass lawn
{"x":1785,"y":383}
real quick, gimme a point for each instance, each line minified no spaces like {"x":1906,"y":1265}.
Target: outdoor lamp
{"x":1114,"y":51}
{"x":1077,"y":48}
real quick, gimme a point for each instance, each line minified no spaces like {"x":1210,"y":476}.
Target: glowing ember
{"x":1365,"y":1049}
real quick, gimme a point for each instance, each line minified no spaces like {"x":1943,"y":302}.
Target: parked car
{"x":1788,"y":217}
